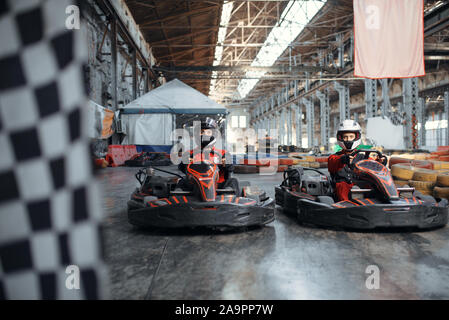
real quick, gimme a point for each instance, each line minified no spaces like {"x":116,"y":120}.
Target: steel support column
{"x":146,"y":75}
{"x":386,"y":105}
{"x":422,"y":120}
{"x":115,"y":139}
{"x":446,"y":111}
{"x":298,"y":125}
{"x":271,"y":124}
{"x":310,"y":120}
{"x":282,"y":128}
{"x":289,"y":126}
{"x":343,"y":92}
{"x":114,"y":84}
{"x":371,"y":98}
{"x":336,"y":122}
{"x":410,"y":105}
{"x":134,"y":72}
{"x":325,"y":117}
{"x":278,"y":124}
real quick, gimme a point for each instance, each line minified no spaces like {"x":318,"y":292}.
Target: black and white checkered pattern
{"x":49,"y":204}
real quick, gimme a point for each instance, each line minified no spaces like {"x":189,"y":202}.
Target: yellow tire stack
{"x":424,"y":180}
{"x":402,"y":173}
{"x":429,"y":182}
{"x":442,"y":188}
{"x":304,"y":160}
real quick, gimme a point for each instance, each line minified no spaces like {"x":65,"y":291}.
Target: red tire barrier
{"x":130,"y":151}
{"x":116,"y":156}
{"x":395,"y":160}
{"x":286,"y":162}
{"x":439,"y":153}
{"x":260,"y":163}
{"x":414,"y":163}
{"x":443,"y":148}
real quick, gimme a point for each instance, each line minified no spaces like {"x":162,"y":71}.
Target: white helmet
{"x":349,"y":126}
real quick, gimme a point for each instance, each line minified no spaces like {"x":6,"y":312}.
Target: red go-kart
{"x":374,"y":201}
{"x":196,"y":201}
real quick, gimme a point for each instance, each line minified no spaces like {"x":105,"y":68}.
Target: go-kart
{"x":374,"y":201}
{"x":148,"y":159}
{"x":196,"y":201}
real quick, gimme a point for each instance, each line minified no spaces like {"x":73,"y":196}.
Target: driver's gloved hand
{"x":358,"y":157}
{"x":345,"y":159}
{"x":185,"y":185}
{"x":227,"y":167}
{"x":343,"y":174}
{"x":182,"y":167}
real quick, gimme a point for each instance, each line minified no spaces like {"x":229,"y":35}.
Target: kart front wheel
{"x":326,"y":200}
{"x":425,"y":198}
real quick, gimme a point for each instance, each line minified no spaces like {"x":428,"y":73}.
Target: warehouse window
{"x":436,"y":133}
{"x":242,"y":123}
{"x":238,"y":122}
{"x":235,"y":121}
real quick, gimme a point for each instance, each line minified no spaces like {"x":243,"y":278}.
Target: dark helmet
{"x":209,"y":124}
{"x":208,"y":141}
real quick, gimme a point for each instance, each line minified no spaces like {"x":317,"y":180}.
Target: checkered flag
{"x":49,"y":204}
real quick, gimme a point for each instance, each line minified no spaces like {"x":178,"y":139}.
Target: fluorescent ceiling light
{"x":296,"y":15}
{"x":224,"y":21}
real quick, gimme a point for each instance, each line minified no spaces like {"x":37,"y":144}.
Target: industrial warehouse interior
{"x":224,"y":150}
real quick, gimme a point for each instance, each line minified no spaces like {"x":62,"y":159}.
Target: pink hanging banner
{"x":389,"y":38}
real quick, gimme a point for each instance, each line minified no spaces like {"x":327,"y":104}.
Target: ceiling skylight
{"x":224,"y":21}
{"x":296,"y":15}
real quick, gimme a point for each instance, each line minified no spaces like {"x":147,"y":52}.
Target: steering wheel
{"x":368,"y":152}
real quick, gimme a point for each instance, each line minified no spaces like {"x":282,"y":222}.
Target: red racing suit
{"x":335,"y":164}
{"x":215,"y":156}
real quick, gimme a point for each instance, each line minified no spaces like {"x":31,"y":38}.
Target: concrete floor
{"x":281,"y":261}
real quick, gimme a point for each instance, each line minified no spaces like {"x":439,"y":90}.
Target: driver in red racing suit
{"x":209,"y":152}
{"x":349,"y":138}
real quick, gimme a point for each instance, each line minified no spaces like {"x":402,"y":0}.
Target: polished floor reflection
{"x":281,"y":261}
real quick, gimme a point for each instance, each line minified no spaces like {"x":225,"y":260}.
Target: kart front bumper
{"x":422,"y":216}
{"x":200,"y":214}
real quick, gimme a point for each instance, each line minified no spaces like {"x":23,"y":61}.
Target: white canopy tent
{"x":150,"y":119}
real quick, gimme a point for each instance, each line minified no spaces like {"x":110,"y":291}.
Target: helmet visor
{"x":345,"y":134}
{"x":207,"y":132}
